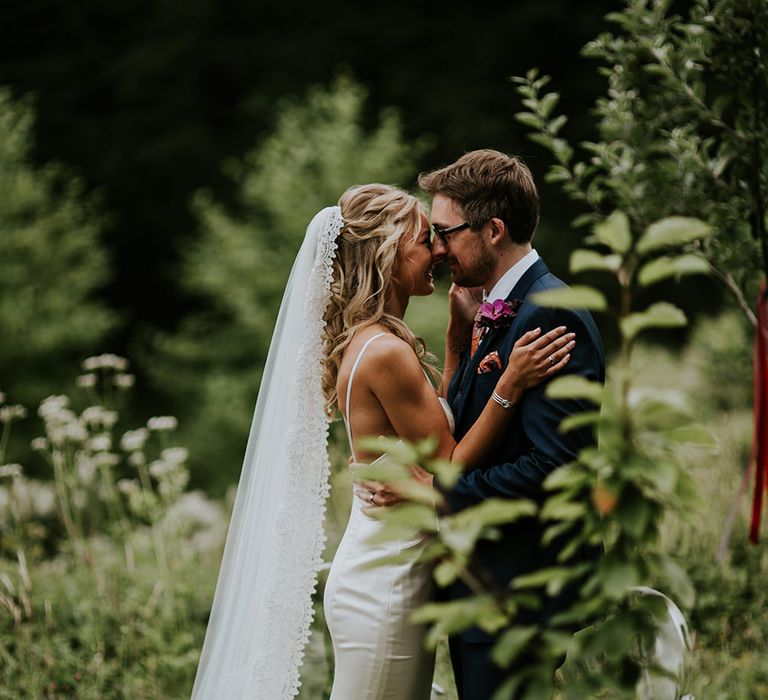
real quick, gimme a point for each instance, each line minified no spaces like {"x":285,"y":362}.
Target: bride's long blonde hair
{"x":376,"y":217}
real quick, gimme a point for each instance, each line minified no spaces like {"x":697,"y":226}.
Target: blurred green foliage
{"x":239,"y":265}
{"x":682,"y":129}
{"x":52,"y":264}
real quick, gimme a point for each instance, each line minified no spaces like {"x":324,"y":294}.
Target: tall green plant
{"x":240,"y":263}
{"x":681,"y":129}
{"x":613,"y":496}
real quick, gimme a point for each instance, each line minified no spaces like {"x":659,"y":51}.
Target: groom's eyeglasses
{"x":443,"y":233}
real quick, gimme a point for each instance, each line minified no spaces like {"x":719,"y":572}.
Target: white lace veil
{"x":262,"y":609}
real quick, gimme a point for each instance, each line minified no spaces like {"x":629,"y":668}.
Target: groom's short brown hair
{"x":488,"y":184}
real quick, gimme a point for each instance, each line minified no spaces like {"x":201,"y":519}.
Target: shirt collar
{"x":505,"y":285}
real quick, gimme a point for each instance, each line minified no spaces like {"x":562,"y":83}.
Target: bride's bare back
{"x":390,"y":375}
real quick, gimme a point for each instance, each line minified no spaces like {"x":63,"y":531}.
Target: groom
{"x":485,"y":208}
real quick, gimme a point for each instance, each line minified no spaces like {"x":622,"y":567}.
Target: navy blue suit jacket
{"x":532,"y":446}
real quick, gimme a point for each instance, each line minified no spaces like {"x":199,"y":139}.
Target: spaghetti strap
{"x":347,"y":422}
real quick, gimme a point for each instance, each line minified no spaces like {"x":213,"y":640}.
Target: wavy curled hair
{"x":376,"y":217}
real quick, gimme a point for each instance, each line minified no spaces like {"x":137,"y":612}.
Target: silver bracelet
{"x":504,"y":403}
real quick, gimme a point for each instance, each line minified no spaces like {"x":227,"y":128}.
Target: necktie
{"x":478,"y":332}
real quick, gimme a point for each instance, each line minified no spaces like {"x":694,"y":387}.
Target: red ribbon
{"x":760,"y":440}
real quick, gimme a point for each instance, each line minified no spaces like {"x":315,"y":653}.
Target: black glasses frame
{"x":443,"y":233}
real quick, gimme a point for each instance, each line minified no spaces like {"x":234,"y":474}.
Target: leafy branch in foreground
{"x":682,"y":129}
{"x":612,"y":497}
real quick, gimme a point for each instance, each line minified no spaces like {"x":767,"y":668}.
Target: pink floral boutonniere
{"x":498,"y":313}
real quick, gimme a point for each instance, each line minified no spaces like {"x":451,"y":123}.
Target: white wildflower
{"x":105,"y":361}
{"x":52,"y":402}
{"x":176,"y":455}
{"x":124,"y":381}
{"x":127,"y":486}
{"x":9,"y":413}
{"x":86,"y":468}
{"x":133,"y":440}
{"x":195,"y":513}
{"x":100,"y":443}
{"x":98,"y":415}
{"x":10,"y":470}
{"x":80,"y":498}
{"x":162,"y":423}
{"x":5,"y":503}
{"x":75,"y":431}
{"x":160,"y":468}
{"x":39,"y":444}
{"x":43,"y":498}
{"x":106,"y":459}
{"x":86,"y":381}
{"x":2,"y":397}
{"x":55,"y":409}
{"x":137,"y":459}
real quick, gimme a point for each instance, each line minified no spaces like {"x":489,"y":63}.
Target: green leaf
{"x":633,"y":514}
{"x":511,"y":643}
{"x":662,"y":268}
{"x":446,"y":572}
{"x":616,"y":637}
{"x":678,"y":579}
{"x":555,"y":509}
{"x":556,"y":124}
{"x":508,"y":689}
{"x":575,"y":297}
{"x":582,"y":260}
{"x":662,"y":476}
{"x":530,"y":119}
{"x":553,"y":578}
{"x":659,"y":315}
{"x":579,"y":420}
{"x":384,"y":472}
{"x":696,"y":435}
{"x":495,"y":511}
{"x":567,"y":476}
{"x":574,"y":386}
{"x":617,"y":576}
{"x":399,"y":450}
{"x":672,"y":231}
{"x":547,"y":103}
{"x":447,"y":472}
{"x":614,"y":232}
{"x":410,"y":515}
{"x":457,"y":615}
{"x":544,"y":140}
{"x":554,"y":531}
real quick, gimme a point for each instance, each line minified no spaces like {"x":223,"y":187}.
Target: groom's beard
{"x":474,"y":271}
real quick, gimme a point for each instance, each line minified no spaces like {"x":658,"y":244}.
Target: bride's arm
{"x":395,"y":377}
{"x":529,"y":364}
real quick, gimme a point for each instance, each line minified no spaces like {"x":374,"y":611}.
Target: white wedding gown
{"x":379,"y":654}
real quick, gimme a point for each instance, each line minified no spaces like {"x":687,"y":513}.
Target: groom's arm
{"x":540,"y":417}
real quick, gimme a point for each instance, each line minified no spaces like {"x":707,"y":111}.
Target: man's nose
{"x":438,"y":250}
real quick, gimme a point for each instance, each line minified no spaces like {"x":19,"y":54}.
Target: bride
{"x":340,"y":343}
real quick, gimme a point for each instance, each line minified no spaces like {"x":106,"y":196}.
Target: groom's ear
{"x":498,"y":230}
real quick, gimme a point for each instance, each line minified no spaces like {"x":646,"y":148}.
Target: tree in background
{"x":51,"y":263}
{"x":240,"y":263}
{"x":682,"y":129}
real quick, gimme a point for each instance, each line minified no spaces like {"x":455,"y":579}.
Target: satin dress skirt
{"x":379,"y":654}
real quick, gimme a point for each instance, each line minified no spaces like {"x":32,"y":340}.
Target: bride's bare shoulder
{"x":390,"y":359}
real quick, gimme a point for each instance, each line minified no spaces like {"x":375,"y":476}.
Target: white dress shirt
{"x":511,"y":277}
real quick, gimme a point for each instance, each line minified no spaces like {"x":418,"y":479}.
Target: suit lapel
{"x":469,"y":370}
